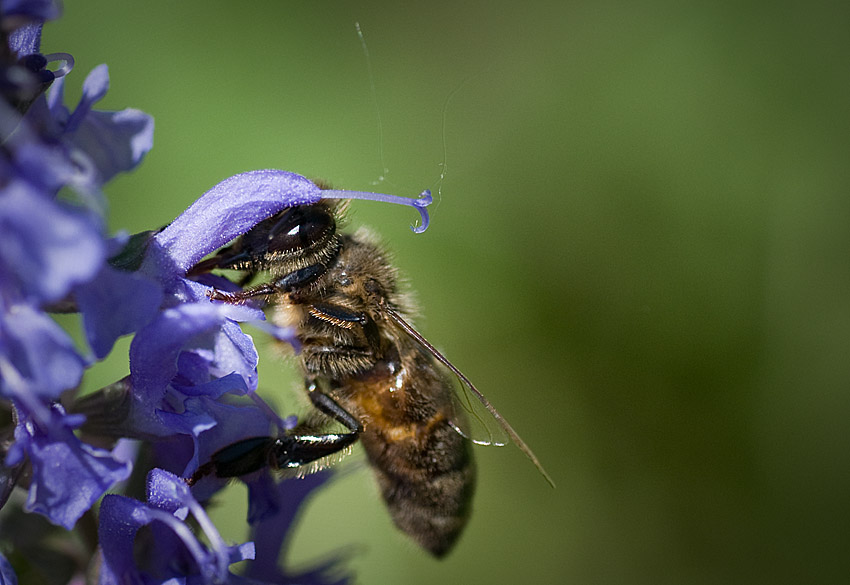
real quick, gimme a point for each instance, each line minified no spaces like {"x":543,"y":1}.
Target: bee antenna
{"x":490,"y":408}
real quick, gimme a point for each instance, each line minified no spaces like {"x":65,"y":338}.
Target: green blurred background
{"x":639,"y":252}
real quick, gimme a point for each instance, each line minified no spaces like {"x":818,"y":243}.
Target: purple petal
{"x":46,"y":247}
{"x":156,"y":347}
{"x":35,"y":10}
{"x":7,"y":573}
{"x":220,"y":345}
{"x":192,"y":421}
{"x":44,"y":359}
{"x":228,"y":210}
{"x":69,"y":479}
{"x":69,"y":476}
{"x":120,"y":520}
{"x":94,"y":89}
{"x":175,"y":551}
{"x":270,"y":533}
{"x":263,"y":499}
{"x":232,"y":383}
{"x":116,"y":142}
{"x":47,"y":166}
{"x":235,"y":422}
{"x":235,"y":352}
{"x":56,"y":102}
{"x":167,"y":491}
{"x":25,"y":40}
{"x":116,"y":303}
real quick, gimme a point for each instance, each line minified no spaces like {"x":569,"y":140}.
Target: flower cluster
{"x":189,"y":361}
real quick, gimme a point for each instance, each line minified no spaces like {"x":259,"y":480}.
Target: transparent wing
{"x":485,"y":426}
{"x":473,"y":421}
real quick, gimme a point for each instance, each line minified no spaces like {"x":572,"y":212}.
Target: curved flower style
{"x":169,"y":502}
{"x":176,"y":553}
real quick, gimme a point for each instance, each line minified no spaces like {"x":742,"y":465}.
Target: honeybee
{"x":364,"y":366}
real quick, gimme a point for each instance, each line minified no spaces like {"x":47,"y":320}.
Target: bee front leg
{"x":285,"y":284}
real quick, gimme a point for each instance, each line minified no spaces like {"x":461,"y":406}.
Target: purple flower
{"x":60,"y":461}
{"x":113,"y":142}
{"x":47,"y":247}
{"x":54,"y":253}
{"x":7,"y":574}
{"x":190,"y":389}
{"x":175,"y":552}
{"x":192,"y":355}
{"x":24,"y":76}
{"x":270,"y":531}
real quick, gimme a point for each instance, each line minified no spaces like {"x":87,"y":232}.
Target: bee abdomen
{"x":427,"y":485}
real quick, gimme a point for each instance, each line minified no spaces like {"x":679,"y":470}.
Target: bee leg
{"x":298,"y":278}
{"x":336,"y":315}
{"x":239,"y":297}
{"x":346,"y":319}
{"x":326,"y":405}
{"x":285,"y":451}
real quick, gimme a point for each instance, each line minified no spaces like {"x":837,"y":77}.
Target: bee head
{"x":293,"y":239}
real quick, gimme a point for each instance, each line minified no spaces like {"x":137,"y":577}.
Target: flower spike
{"x":420,"y":203}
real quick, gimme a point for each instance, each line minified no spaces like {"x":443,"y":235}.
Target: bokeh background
{"x":639,"y":251}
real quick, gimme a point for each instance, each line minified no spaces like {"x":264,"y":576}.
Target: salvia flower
{"x":175,"y":552}
{"x":49,"y":248}
{"x":192,"y":371}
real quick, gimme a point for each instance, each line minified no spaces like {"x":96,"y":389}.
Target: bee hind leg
{"x":286,"y":451}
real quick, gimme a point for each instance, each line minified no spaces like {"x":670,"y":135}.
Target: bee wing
{"x":472,"y":419}
{"x":497,"y":429}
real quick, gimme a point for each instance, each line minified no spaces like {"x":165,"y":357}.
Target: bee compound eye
{"x":300,"y":228}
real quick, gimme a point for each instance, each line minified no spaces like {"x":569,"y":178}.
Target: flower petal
{"x":7,"y":573}
{"x":228,"y":210}
{"x":270,"y":532}
{"x":25,"y":40}
{"x":156,"y":347}
{"x":42,"y":356}
{"x":174,"y":551}
{"x":116,"y":303}
{"x":115,"y":141}
{"x":46,"y":263}
{"x":69,"y":476}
